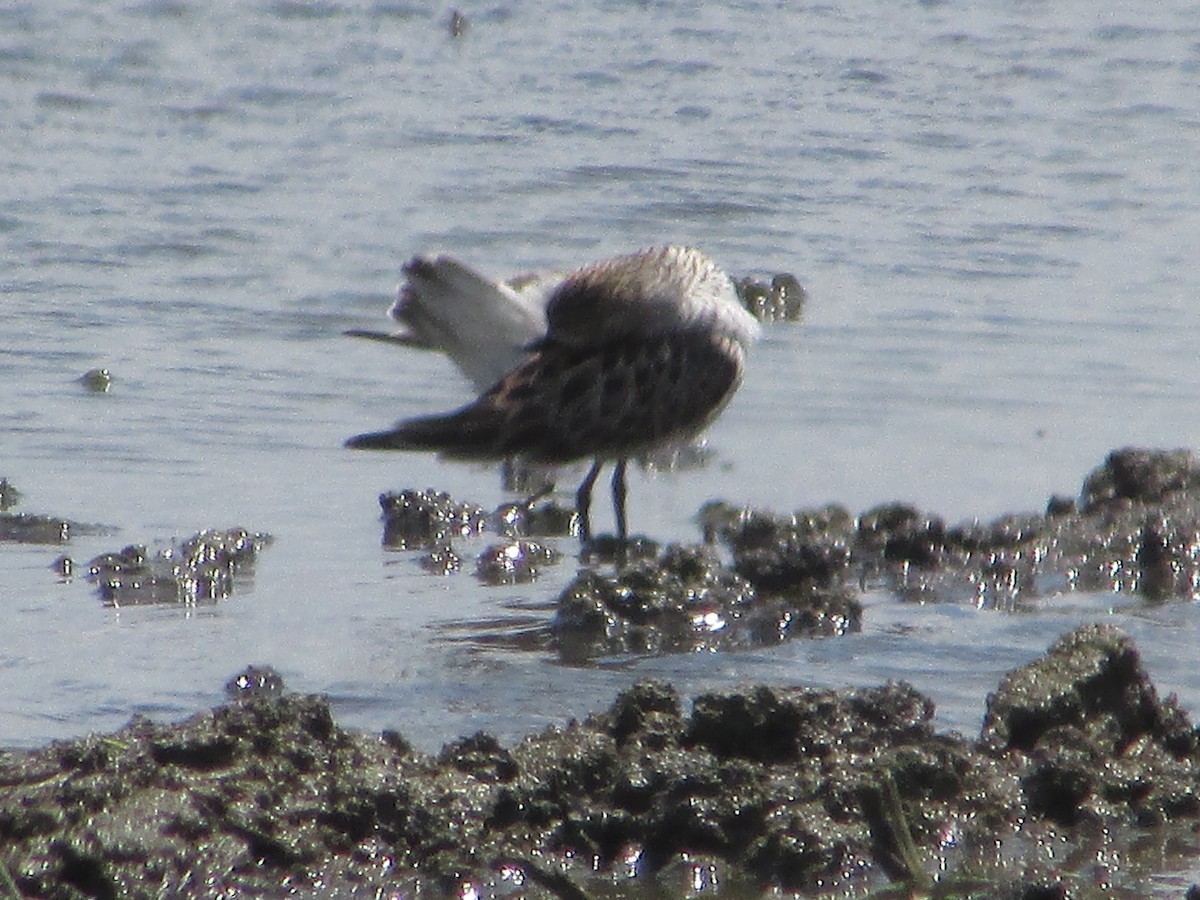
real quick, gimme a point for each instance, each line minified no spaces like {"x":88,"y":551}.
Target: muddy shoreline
{"x":806,"y":790}
{"x":818,"y":791}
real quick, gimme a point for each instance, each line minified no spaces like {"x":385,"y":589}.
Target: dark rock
{"x":440,"y":560}
{"x":1137,"y":531}
{"x":649,"y":707}
{"x":533,"y":518}
{"x":745,"y":530}
{"x":1091,"y":677}
{"x":482,"y":757}
{"x":795,"y":565}
{"x":608,"y":549}
{"x":1058,"y":505}
{"x":759,"y":724}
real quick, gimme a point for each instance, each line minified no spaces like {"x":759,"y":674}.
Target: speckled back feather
{"x":565,"y":403}
{"x":639,"y":350}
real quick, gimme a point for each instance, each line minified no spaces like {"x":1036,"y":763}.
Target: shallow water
{"x":995,"y":211}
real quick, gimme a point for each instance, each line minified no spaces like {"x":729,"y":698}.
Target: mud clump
{"x":763,"y":577}
{"x":34,"y":528}
{"x":185,"y":809}
{"x":203,"y":568}
{"x":1136,"y":475}
{"x":426,"y":519}
{"x":1135,"y":527}
{"x":200,"y":569}
{"x":430,"y":521}
{"x":517,"y":561}
{"x":685,"y":600}
{"x":27,"y":528}
{"x":1094,"y":740}
{"x":784,"y":787}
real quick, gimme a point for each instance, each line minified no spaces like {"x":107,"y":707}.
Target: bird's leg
{"x":583,"y":502}
{"x":618,"y":493}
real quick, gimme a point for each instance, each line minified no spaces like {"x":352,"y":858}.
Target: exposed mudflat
{"x":806,"y":790}
{"x":801,"y":789}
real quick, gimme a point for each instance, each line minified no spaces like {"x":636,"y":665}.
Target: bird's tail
{"x":471,"y":433}
{"x":482,"y":325}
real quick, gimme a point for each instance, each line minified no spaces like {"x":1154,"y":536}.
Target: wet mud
{"x":760,"y":577}
{"x":757,"y":788}
{"x":1135,"y":527}
{"x":201,"y":569}
{"x":810,"y":790}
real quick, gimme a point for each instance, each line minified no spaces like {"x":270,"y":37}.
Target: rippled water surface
{"x":996,"y":210}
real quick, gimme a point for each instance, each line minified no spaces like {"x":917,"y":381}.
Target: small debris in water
{"x":255,"y":681}
{"x":9,"y":495}
{"x":457,"y":23}
{"x":781,"y":300}
{"x":97,"y":381}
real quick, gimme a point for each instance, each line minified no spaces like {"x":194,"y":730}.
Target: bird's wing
{"x":564,"y":403}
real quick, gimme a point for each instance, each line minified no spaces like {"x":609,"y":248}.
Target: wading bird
{"x":624,"y":356}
